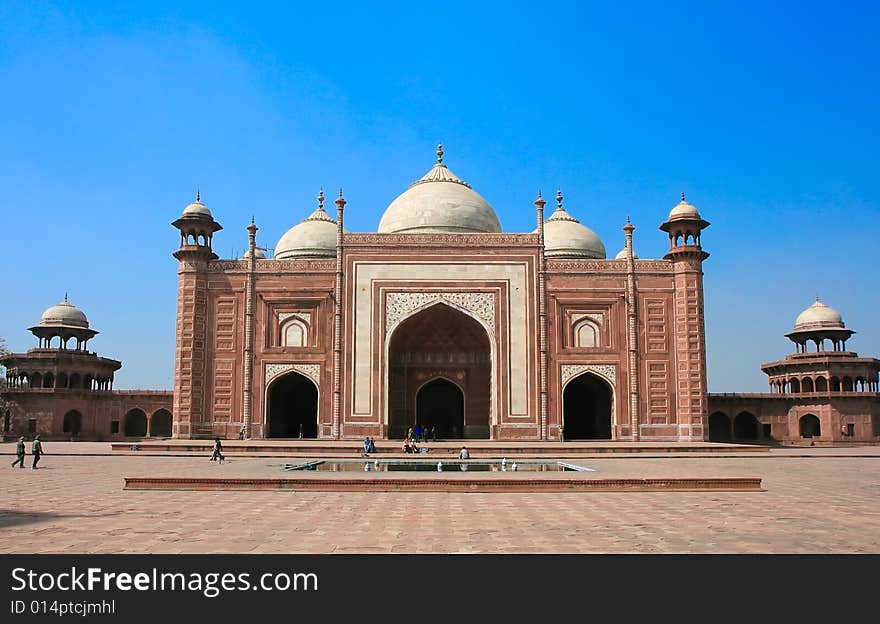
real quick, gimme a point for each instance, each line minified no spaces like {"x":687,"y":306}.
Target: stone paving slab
{"x":823,"y":503}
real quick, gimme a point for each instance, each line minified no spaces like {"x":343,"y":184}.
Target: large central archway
{"x":292,"y":407}
{"x":586,"y":407}
{"x":430,"y":351}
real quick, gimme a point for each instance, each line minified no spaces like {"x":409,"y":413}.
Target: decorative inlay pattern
{"x":312,"y":371}
{"x":607,"y":266}
{"x":399,"y":304}
{"x":365,"y":239}
{"x":321,"y":265}
{"x":608,"y":371}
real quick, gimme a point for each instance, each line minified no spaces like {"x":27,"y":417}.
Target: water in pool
{"x":434,"y":466}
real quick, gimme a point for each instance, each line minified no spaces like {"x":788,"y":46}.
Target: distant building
{"x":822,"y":397}
{"x":62,"y":391}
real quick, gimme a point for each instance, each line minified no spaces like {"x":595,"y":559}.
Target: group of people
{"x":36,"y":451}
{"x":422,"y":434}
{"x":369,"y":446}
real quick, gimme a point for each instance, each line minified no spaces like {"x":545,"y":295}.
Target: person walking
{"x":218,"y":451}
{"x":36,"y":451}
{"x":19,"y":453}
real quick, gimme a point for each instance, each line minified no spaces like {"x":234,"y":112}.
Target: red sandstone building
{"x":62,"y":391}
{"x":821,"y":396}
{"x":441,"y":319}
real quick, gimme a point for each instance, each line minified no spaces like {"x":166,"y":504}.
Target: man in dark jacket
{"x":19,"y":453}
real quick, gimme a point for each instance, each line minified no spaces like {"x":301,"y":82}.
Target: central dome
{"x":819,"y":316}
{"x":439,"y":202}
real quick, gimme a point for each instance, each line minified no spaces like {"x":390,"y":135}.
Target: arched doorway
{"x":440,"y":341}
{"x":719,"y":427}
{"x":293,"y":407}
{"x":72,"y":423}
{"x":745,"y":427}
{"x":135,"y":423}
{"x":586,"y":409}
{"x":810,"y":426}
{"x":440,"y":404}
{"x":160,"y":424}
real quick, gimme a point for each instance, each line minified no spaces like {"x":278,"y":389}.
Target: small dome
{"x":314,"y":237}
{"x":621,"y":255}
{"x":64,"y":313}
{"x":197,"y":208}
{"x":439,"y":202}
{"x":684,"y":210}
{"x":259,"y":254}
{"x":566,"y":237}
{"x":819,"y":316}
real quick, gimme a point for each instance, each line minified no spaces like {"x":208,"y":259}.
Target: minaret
{"x":249,"y":330}
{"x":542,"y":313}
{"x":684,"y":226}
{"x":632,"y":325}
{"x":337,"y":321}
{"x":197,"y":228}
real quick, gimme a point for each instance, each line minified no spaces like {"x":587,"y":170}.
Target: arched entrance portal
{"x":160,"y":424}
{"x":135,"y":423}
{"x":440,"y":404}
{"x":745,"y":427}
{"x":439,"y":342}
{"x":810,"y":426}
{"x":72,"y":423}
{"x":586,"y":407}
{"x":293,"y":407}
{"x":719,"y":427}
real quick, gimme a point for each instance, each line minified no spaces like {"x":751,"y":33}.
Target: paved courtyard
{"x":816,"y":501}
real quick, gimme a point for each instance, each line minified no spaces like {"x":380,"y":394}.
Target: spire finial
{"x":439,"y":153}
{"x":627,"y":219}
{"x":817,"y":297}
{"x":682,"y":196}
{"x":539,"y":194}
{"x":252,"y":220}
{"x":198,"y":195}
{"x":66,"y":301}
{"x":558,"y":199}
{"x":321,"y":199}
{"x":340,"y":201}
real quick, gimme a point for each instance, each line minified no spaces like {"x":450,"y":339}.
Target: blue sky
{"x":766,"y":116}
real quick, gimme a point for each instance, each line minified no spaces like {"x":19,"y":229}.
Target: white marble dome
{"x":621,"y":255}
{"x":684,"y":210}
{"x":64,"y":313}
{"x":439,"y":202}
{"x":315,"y":236}
{"x":197,"y":208}
{"x":819,"y":316}
{"x":566,"y":237}
{"x":259,"y":254}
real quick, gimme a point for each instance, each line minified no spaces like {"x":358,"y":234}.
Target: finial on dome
{"x":558,"y":199}
{"x":682,"y":196}
{"x":321,"y":198}
{"x":817,"y":297}
{"x":439,"y":153}
{"x":198,"y":195}
{"x":66,"y":301}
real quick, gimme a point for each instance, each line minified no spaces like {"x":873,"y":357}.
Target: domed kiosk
{"x":314,"y":237}
{"x":566,"y":237}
